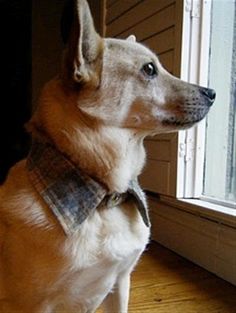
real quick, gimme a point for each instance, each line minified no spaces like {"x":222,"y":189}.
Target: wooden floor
{"x":163,"y":282}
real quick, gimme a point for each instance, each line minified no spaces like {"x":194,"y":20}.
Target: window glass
{"x":220,"y":155}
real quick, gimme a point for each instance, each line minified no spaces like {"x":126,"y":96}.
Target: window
{"x":220,"y":151}
{"x":209,"y":29}
{"x":185,"y":165}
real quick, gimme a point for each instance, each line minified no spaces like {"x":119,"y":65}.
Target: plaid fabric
{"x":138,"y":195}
{"x":70,"y":193}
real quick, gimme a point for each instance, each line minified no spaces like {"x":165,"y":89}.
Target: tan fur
{"x":97,"y":112}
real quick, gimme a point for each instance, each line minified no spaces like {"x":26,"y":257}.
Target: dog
{"x":73,"y":219}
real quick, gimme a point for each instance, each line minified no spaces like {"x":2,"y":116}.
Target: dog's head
{"x":122,"y":83}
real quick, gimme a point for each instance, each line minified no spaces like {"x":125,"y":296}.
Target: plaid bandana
{"x":71,"y":194}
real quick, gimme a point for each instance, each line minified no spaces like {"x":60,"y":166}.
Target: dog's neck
{"x":114,"y":156}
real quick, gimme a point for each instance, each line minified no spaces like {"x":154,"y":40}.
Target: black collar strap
{"x":71,"y":194}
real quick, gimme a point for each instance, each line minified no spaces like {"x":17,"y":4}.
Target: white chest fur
{"x":108,"y":245}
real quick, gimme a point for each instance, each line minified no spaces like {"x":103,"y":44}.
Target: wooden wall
{"x":156,"y":23}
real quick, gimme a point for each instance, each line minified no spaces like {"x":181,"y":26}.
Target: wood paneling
{"x":110,"y":2}
{"x":157,"y":24}
{"x":207,"y":243}
{"x":162,"y":42}
{"x":152,"y":22}
{"x":156,"y":178}
{"x":119,"y":8}
{"x":133,"y":17}
{"x":153,"y":25}
{"x":167,"y":60}
{"x":159,"y":150}
{"x":161,"y":165}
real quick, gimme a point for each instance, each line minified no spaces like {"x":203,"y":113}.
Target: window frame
{"x":200,"y":231}
{"x":196,"y":24}
{"x":191,"y":143}
{"x":221,"y":70}
{"x":182,"y":221}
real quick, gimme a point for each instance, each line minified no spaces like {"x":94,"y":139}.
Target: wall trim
{"x":206,"y":242}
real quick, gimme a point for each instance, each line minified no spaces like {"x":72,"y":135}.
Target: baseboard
{"x":207,"y":243}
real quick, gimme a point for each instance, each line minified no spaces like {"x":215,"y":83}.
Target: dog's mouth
{"x":179,"y":123}
{"x":186,"y":119}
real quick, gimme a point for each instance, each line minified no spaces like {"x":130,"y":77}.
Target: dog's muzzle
{"x":190,"y":105}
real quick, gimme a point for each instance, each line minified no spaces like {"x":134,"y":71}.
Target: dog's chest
{"x":111,"y":235}
{"x":108,"y":244}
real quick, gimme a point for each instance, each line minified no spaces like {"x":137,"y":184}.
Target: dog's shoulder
{"x":15,"y":182}
{"x":20,"y":203}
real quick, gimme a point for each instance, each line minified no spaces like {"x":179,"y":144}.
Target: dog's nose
{"x":209,"y":93}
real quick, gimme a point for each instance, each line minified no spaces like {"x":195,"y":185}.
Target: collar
{"x":70,"y":193}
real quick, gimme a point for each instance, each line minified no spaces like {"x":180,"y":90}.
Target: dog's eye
{"x":150,"y":70}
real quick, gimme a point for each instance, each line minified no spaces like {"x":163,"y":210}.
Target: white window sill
{"x":215,"y":212}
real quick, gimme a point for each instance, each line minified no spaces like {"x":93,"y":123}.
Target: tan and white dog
{"x":110,"y":94}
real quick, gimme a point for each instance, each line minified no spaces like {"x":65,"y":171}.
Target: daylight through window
{"x":220,"y":152}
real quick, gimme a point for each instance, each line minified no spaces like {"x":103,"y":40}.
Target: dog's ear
{"x":131,"y":38}
{"x":84,"y":47}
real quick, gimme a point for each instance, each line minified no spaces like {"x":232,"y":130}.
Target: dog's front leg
{"x":117,"y":301}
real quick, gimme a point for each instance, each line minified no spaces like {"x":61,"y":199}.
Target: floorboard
{"x":164,"y":282}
